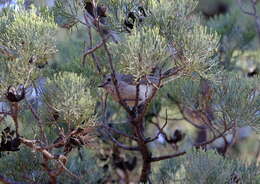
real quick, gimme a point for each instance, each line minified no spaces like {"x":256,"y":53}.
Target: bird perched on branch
{"x":128,"y":87}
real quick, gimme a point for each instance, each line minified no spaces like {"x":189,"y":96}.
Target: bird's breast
{"x":128,"y":93}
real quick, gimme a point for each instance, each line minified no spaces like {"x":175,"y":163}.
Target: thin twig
{"x":93,"y":49}
{"x":235,"y":134}
{"x":215,"y":138}
{"x":257,"y":152}
{"x":28,"y":77}
{"x":182,"y":111}
{"x":104,"y":106}
{"x":171,"y":72}
{"x":2,"y":118}
{"x":171,"y":119}
{"x":115,"y":82}
{"x":160,"y":131}
{"x":36,"y":116}
{"x":148,"y":100}
{"x":53,"y":173}
{"x":92,"y":53}
{"x":121,"y":145}
{"x":6,"y":113}
{"x":155,"y":159}
{"x":137,"y":95}
{"x":68,"y":171}
{"x":104,"y":40}
{"x":119,"y":132}
{"x":63,"y":141}
{"x":14,"y":115}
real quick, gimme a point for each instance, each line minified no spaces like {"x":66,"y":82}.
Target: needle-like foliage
{"x":27,"y":41}
{"x":206,"y":167}
{"x":232,"y":99}
{"x":143,"y":50}
{"x":70,"y":97}
{"x":52,"y":112}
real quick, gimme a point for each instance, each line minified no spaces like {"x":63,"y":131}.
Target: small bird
{"x":127,"y":88}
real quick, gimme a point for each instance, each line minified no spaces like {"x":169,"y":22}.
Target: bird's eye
{"x":109,"y":79}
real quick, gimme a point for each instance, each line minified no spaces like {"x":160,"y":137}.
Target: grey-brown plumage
{"x":127,"y":87}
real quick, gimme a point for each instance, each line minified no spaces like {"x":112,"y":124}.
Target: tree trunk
{"x":146,"y":154}
{"x":146,"y":169}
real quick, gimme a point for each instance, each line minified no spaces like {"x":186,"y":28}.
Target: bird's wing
{"x":130,"y":79}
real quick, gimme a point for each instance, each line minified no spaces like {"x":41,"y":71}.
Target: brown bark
{"x":144,"y":150}
{"x":14,"y":115}
{"x":146,"y":155}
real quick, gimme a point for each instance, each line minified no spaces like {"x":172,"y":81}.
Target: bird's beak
{"x":102,"y":84}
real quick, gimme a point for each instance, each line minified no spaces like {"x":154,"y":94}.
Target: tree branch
{"x":119,"y":132}
{"x":159,"y":132}
{"x":93,"y":49}
{"x":257,"y":152}
{"x":62,"y":160}
{"x":121,"y":145}
{"x":65,"y":138}
{"x":171,"y":72}
{"x":92,"y":53}
{"x":5,"y":113}
{"x":36,"y":116}
{"x":97,"y":26}
{"x":171,"y":119}
{"x":155,"y":159}
{"x":122,"y":103}
{"x":213,"y":139}
{"x":184,"y":112}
